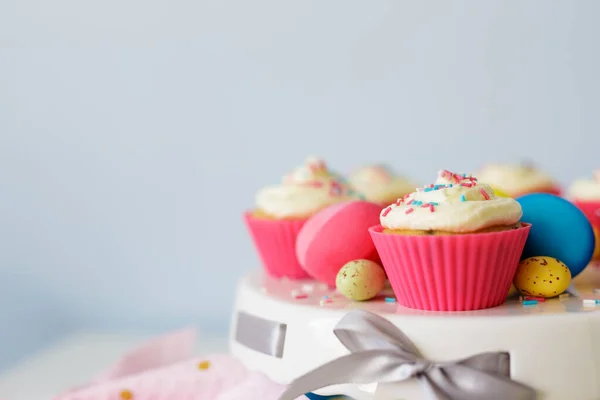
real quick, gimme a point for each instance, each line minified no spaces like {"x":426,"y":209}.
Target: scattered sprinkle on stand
{"x":463,"y":198}
{"x":126,"y":395}
{"x":308,"y":287}
{"x":538,"y":299}
{"x":390,"y":300}
{"x":203,"y":365}
{"x":529,"y":303}
{"x":591,"y":302}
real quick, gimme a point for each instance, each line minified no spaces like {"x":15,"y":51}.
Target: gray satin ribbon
{"x":262,"y":335}
{"x":380,"y":352}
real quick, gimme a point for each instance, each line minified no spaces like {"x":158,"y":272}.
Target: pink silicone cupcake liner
{"x":452,"y":272}
{"x":275,"y":241}
{"x":591,"y":209}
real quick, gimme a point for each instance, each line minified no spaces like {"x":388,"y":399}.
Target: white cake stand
{"x":554,"y":346}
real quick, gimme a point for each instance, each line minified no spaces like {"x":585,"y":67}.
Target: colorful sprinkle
{"x":427,"y":189}
{"x":431,"y":208}
{"x":399,"y":201}
{"x":301,"y":296}
{"x":126,"y":395}
{"x":539,"y":299}
{"x":335,"y":189}
{"x":390,"y":300}
{"x":408,"y":211}
{"x":203,"y":365}
{"x":463,"y":198}
{"x":308,"y":287}
{"x":529,"y":302}
{"x":326,"y":301}
{"x":484,"y":194}
{"x":386,"y":211}
{"x":410,"y":202}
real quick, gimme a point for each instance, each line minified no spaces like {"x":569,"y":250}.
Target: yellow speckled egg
{"x":360,"y":280}
{"x":596,"y":255}
{"x":542,"y":276}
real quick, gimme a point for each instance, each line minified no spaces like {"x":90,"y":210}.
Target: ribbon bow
{"x":380,"y":352}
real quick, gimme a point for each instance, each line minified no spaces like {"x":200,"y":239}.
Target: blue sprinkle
{"x":433,"y":203}
{"x":530,"y":302}
{"x":325,"y":297}
{"x":427,"y":189}
{"x":390,"y":300}
{"x":450,"y":185}
{"x":462,"y":198}
{"x":464,"y":175}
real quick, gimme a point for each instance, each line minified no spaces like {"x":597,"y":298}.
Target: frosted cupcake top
{"x":379,"y":184}
{"x":304,"y":191}
{"x":454,"y":203}
{"x":515,"y":179}
{"x":586,"y":189}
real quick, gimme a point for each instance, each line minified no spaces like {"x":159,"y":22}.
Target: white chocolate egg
{"x":542,"y":277}
{"x":360,"y":280}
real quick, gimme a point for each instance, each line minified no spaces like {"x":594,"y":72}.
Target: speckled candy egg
{"x":542,"y":277}
{"x":360,"y":280}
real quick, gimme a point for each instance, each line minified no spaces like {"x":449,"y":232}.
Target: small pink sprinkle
{"x":431,"y":208}
{"x":408,"y":211}
{"x":410,"y":202}
{"x":399,"y":201}
{"x":386,"y":211}
{"x":484,"y":194}
{"x":540,"y":299}
{"x":467,"y":184}
{"x":301,"y":296}
{"x":425,"y":205}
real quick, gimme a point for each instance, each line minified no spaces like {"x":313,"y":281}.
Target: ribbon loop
{"x":380,"y":352}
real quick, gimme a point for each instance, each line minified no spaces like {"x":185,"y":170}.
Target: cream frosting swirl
{"x":455,"y":203}
{"x":515,"y":179}
{"x":379,"y":184}
{"x":304,"y":191}
{"x":586,"y":189}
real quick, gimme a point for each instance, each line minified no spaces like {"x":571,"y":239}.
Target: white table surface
{"x":74,"y":361}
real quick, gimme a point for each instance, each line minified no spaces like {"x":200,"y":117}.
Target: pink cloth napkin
{"x":164,"y":370}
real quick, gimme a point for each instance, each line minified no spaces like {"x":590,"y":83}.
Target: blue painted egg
{"x":558,"y":229}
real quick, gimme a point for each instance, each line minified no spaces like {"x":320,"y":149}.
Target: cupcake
{"x":380,"y":185}
{"x":451,"y":246}
{"x":585,"y":194}
{"x":518,"y":179}
{"x":281,"y":211}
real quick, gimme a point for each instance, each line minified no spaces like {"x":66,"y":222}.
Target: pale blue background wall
{"x":134,"y":133}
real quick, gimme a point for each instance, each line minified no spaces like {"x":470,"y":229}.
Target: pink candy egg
{"x":336,"y":235}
